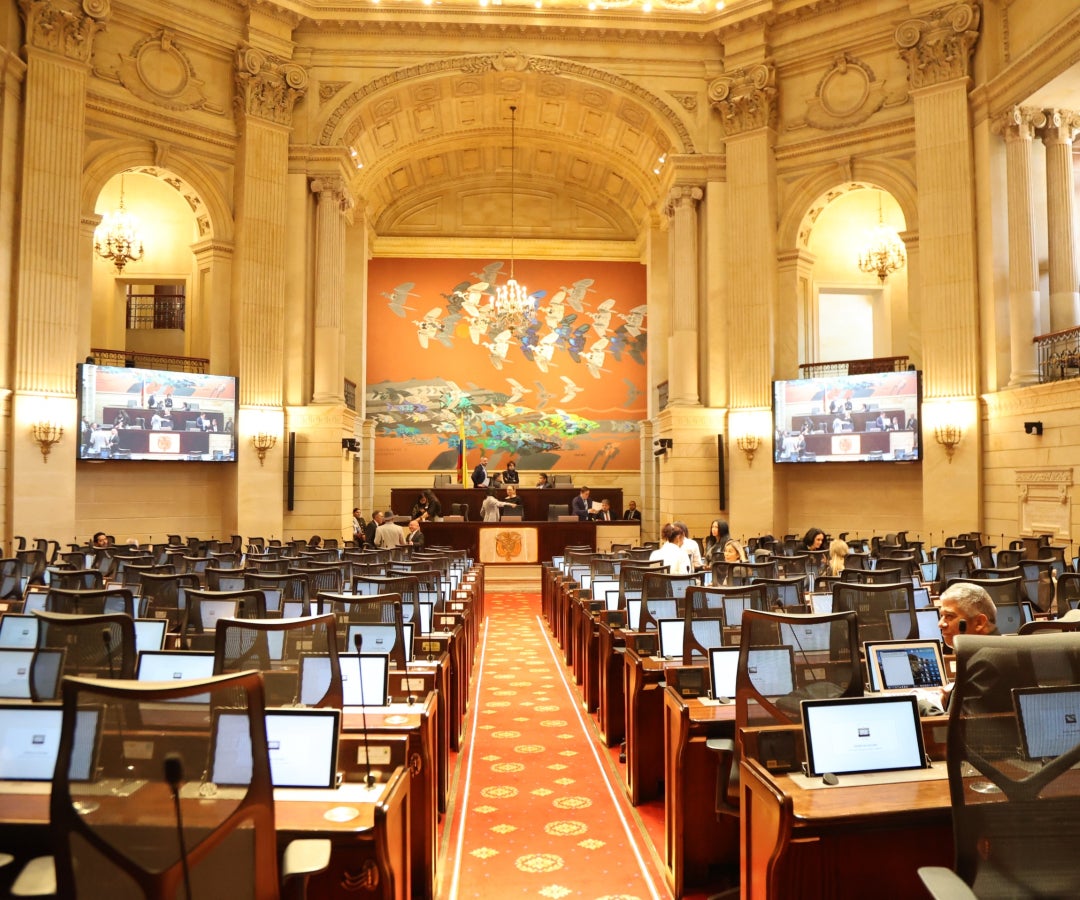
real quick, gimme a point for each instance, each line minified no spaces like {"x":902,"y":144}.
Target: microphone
{"x":174,"y":774}
{"x":106,"y":639}
{"x":358,"y":642}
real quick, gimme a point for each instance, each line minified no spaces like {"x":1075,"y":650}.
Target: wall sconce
{"x":46,"y":433}
{"x":1033,"y":428}
{"x":748,"y":443}
{"x":263,"y":441}
{"x":948,"y":436}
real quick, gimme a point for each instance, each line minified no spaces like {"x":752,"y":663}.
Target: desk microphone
{"x":358,"y":642}
{"x":106,"y":639}
{"x":174,"y":774}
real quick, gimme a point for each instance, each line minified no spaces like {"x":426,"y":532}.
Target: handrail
{"x":143,"y":360}
{"x":855,"y":366}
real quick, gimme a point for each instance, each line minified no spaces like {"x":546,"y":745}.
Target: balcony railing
{"x":350,"y":394}
{"x":142,"y":360}
{"x":854,"y":366}
{"x":1059,"y":355}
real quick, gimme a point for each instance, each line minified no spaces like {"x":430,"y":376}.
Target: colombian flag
{"x":462,"y":474}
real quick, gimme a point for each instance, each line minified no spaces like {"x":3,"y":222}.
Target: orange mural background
{"x":566,"y":391}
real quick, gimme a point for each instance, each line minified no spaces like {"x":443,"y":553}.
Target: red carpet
{"x":537,"y":811}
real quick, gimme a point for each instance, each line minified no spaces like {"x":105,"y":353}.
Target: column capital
{"x":683,"y":195}
{"x":745,"y":99}
{"x":1018,"y":123}
{"x":267,"y":86}
{"x":938,"y":47}
{"x":64,"y":28}
{"x":333,"y":187}
{"x":1060,"y":127}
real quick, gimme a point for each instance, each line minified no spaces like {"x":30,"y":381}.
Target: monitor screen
{"x":30,"y":740}
{"x":147,"y":414}
{"x":847,"y":418}
{"x":301,"y":743}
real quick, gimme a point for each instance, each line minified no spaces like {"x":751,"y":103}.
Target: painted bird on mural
{"x":519,"y":390}
{"x":498,"y":348}
{"x":570,"y":390}
{"x":575,"y":294}
{"x":398,"y":296}
{"x":601,"y":319}
{"x":594,"y":358}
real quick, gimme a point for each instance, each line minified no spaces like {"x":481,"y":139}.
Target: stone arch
{"x":818,"y":190}
{"x":209,"y":205}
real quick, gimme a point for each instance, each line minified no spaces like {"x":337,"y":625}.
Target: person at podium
{"x":579,"y":506}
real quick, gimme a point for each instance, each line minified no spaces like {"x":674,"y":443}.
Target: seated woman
{"x":838,"y":550}
{"x":814,"y":539}
{"x":733,"y":551}
{"x":712,"y":540}
{"x":510,"y":476}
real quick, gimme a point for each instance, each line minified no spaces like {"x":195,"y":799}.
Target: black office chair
{"x":102,"y":646}
{"x":377,"y":609}
{"x":872,"y":603}
{"x":124,"y":844}
{"x":1015,"y":797}
{"x":557,"y":509}
{"x":662,"y":595}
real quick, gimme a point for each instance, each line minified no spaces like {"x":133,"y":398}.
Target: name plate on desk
{"x":642,"y":643}
{"x":689,"y":682}
{"x":431,"y":645}
{"x":613,"y":618}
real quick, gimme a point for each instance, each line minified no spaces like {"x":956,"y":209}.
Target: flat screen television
{"x":147,"y":414}
{"x":848,"y":418}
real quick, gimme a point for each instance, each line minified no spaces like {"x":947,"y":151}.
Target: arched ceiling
{"x":434,"y":154}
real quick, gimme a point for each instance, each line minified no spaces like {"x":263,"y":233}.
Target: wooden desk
{"x":643,"y":677}
{"x":419,"y":722}
{"x":694,"y":837}
{"x":840,"y":843}
{"x":371,"y":849}
{"x":551,"y":537}
{"x":534,"y":501}
{"x":611,"y":702}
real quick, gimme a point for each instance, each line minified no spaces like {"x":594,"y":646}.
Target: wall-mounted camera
{"x":660,"y":446}
{"x":1033,"y":428}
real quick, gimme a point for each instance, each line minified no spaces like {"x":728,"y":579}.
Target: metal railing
{"x":1059,"y":355}
{"x":350,"y":395}
{"x":854,"y":366}
{"x":141,"y":360}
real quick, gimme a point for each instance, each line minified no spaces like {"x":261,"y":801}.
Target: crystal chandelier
{"x":117,"y":238}
{"x":884,"y":251}
{"x":511,"y":306}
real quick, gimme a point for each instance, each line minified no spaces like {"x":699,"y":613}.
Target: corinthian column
{"x":332,"y":206}
{"x":683,"y":255}
{"x":1057,"y":136}
{"x":1017,"y":126}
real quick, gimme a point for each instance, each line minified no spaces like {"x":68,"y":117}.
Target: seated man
{"x":604,"y":513}
{"x":967,"y":609}
{"x":632,"y":514}
{"x":542,"y":480}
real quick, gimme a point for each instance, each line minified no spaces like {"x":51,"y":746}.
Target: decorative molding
{"x":847,"y":94}
{"x":938,"y":48}
{"x":1044,"y":476}
{"x":267,"y":87}
{"x":157,"y":71}
{"x":327,"y":89}
{"x":745,"y":99}
{"x":513,"y":62}
{"x":64,"y":27}
{"x":1044,"y":502}
{"x":688,"y":100}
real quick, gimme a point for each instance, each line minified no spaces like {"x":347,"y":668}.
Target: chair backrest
{"x":87,"y":602}
{"x":662,"y":596}
{"x":872,"y":576}
{"x":241,"y":644}
{"x":1067,"y":592}
{"x":405,"y":587}
{"x":1010,"y":775}
{"x":229,"y":836}
{"x":102,"y":646}
{"x":784,"y":592}
{"x":1003,"y":591}
{"x":954,"y":565}
{"x":250,"y":604}
{"x":76,"y":579}
{"x":557,"y":509}
{"x":871,"y":603}
{"x":785,"y":658}
{"x":377,"y":609}
{"x":460,"y":509}
{"x":745,"y":572}
{"x":1038,"y":581}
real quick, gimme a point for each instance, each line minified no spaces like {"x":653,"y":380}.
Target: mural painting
{"x":564,"y":388}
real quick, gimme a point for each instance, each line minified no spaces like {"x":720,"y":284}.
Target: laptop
{"x":302,"y":744}
{"x":30,"y":739}
{"x":1011,"y":616}
{"x":34,"y":600}
{"x":176,"y":665}
{"x":863,"y":734}
{"x":212,"y":610}
{"x":808,"y":638}
{"x":904,"y":665}
{"x":602,"y":586}
{"x":150,"y":634}
{"x":380,"y":637}
{"x":18,"y":630}
{"x":926,"y":620}
{"x":633,"y":613}
{"x":17,"y":665}
{"x":292,"y":609}
{"x":772,"y":670}
{"x":922,"y":598}
{"x":1049,"y":719}
{"x":820,"y":602}
{"x":723,"y":667}
{"x":707,"y":632}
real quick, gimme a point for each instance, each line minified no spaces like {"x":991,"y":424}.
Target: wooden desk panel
{"x":552,"y":537}
{"x":534,"y":501}
{"x":644,"y":726}
{"x":611,"y":711}
{"x":840,"y":843}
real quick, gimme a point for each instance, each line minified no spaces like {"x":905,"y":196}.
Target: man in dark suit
{"x":371,"y":527}
{"x":579,"y":506}
{"x":414,"y":537}
{"x":633,"y":514}
{"x":604,"y":513}
{"x":480,"y":475}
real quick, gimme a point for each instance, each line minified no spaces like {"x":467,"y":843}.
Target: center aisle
{"x":536,"y":811}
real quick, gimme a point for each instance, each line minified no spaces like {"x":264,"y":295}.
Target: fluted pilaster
{"x":1017,"y":126}
{"x":683,"y":381}
{"x":1057,"y":135}
{"x":332,"y":204}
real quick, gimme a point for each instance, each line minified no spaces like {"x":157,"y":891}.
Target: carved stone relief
{"x":745,"y":99}
{"x":64,"y":28}
{"x":847,"y":94}
{"x":938,"y":48}
{"x":185,"y":190}
{"x":268,"y":87}
{"x":158,"y":71}
{"x":1044,"y":500}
